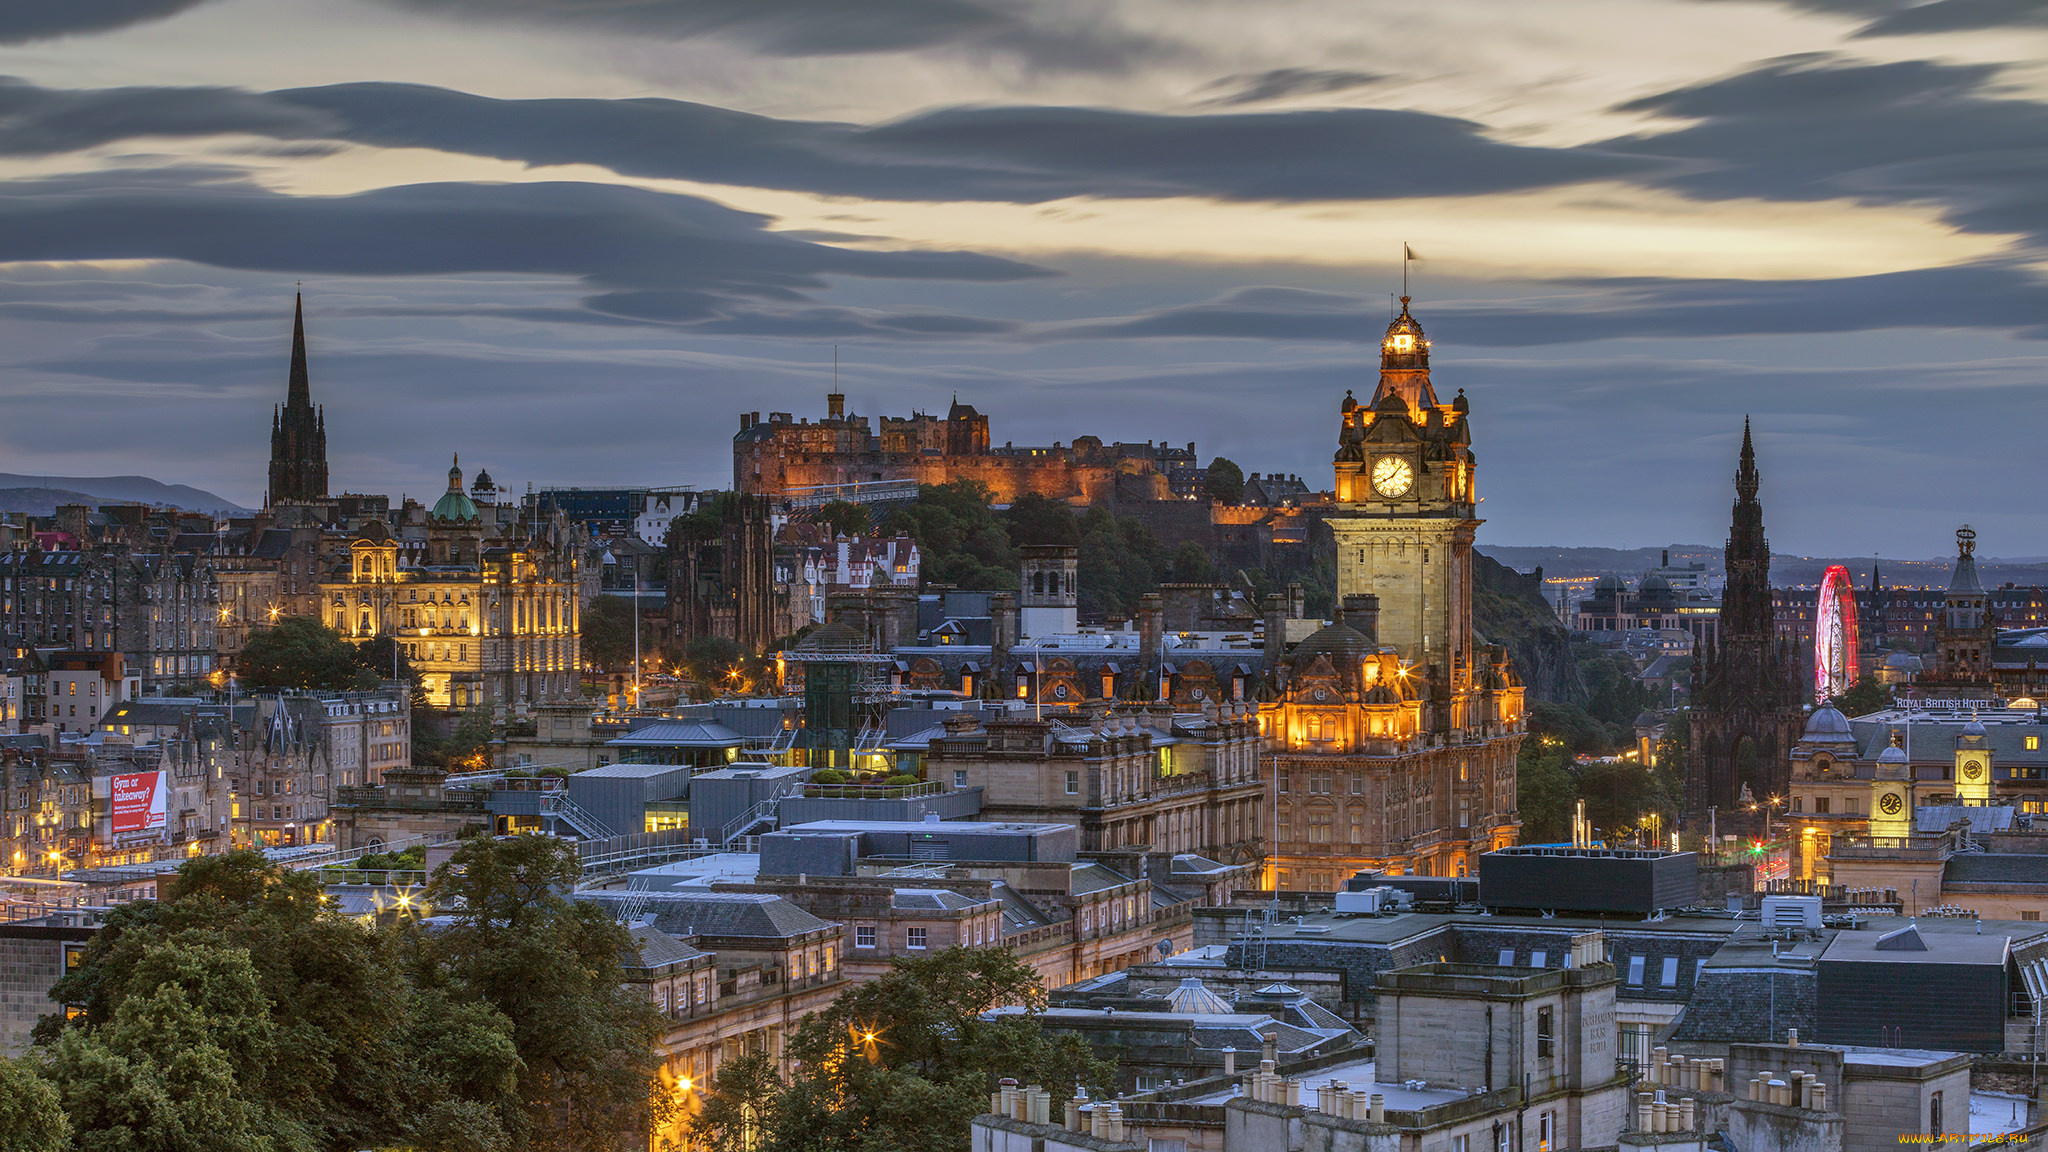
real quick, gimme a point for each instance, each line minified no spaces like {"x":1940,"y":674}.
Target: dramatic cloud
{"x":652,"y":255}
{"x":1284,"y":83}
{"x":1813,"y":128}
{"x":1989,"y":296}
{"x":1013,"y":154}
{"x":24,"y":20}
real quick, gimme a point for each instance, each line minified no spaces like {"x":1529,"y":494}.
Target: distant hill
{"x":1786,"y":571}
{"x":16,"y":489}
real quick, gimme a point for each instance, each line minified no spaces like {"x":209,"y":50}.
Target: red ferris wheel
{"x":1834,"y":636}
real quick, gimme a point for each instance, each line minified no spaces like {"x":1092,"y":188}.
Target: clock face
{"x":1972,"y":769}
{"x":1891,"y":804}
{"x":1391,"y":476}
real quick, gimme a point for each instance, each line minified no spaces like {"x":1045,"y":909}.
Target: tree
{"x":1863,"y":697}
{"x":1224,"y":481}
{"x":1191,"y":565}
{"x":962,"y":541}
{"x":740,"y":1106}
{"x":31,"y":1112}
{"x":182,"y":1065}
{"x":1036,"y":519}
{"x":906,"y":1061}
{"x":843,"y":517}
{"x":384,"y":658}
{"x":608,"y":632}
{"x":300,"y":652}
{"x":1546,"y":792}
{"x":550,"y":966}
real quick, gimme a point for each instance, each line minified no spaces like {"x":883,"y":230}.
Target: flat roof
{"x":968,"y":827}
{"x":1361,"y":1076}
{"x":1940,"y":947}
{"x":633,"y":771}
{"x":1408,"y":925}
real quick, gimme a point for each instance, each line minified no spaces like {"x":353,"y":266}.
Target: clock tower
{"x":1406,"y":512}
{"x":1973,"y":765}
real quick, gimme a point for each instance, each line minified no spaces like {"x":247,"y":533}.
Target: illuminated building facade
{"x":786,"y":458}
{"x":1393,"y":734}
{"x":486,"y":608}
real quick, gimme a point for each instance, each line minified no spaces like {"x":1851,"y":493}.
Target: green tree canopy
{"x":1863,"y":697}
{"x":300,"y":652}
{"x":904,"y":1062}
{"x":1036,"y":519}
{"x":962,"y":541}
{"x":1223,"y":481}
{"x":551,"y":967}
{"x":844,"y":518}
{"x":31,"y":1112}
{"x":608,"y":632}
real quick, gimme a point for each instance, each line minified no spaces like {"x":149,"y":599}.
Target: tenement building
{"x":1393,"y":733}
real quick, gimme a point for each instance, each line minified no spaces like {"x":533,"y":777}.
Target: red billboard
{"x":140,"y":802}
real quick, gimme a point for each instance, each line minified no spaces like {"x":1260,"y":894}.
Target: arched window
{"x":1038,"y":583}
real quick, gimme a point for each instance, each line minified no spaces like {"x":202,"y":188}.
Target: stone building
{"x":1393,"y":732}
{"x":787,"y":459}
{"x":1174,"y":782}
{"x":488,"y":611}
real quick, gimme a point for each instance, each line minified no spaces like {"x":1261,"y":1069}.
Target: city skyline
{"x":575,"y":244}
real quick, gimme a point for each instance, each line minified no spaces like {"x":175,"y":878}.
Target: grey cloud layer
{"x":24,"y":20}
{"x":649,"y":255}
{"x":1015,"y":154}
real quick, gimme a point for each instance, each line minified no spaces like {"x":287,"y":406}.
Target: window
{"x":1507,"y":957}
{"x":1546,"y":1040}
{"x":1934,"y":1113}
{"x":664,"y":1000}
{"x":1537,"y":959}
{"x":1820,"y":805}
{"x":2033,"y":743}
{"x":1635,"y":969}
{"x":864,"y":936}
{"x":2033,"y":914}
{"x":1799,"y":803}
{"x":1461,"y":1143}
{"x":1073,"y":783}
{"x":914,"y":938}
{"x":1670,"y":976}
{"x":1851,"y":806}
{"x":1545,"y":1124}
{"x":960,"y":778}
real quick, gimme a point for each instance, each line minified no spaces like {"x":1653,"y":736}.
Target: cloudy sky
{"x":573,"y":239}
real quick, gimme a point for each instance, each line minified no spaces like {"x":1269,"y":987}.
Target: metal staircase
{"x":558,"y":805}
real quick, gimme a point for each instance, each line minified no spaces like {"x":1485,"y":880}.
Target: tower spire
{"x":1746,"y":480}
{"x":299,"y":394}
{"x":298,"y":430}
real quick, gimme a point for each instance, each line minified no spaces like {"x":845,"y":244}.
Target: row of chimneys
{"x":1678,"y":1072}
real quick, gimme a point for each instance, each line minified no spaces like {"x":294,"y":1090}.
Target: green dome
{"x":454,"y":506}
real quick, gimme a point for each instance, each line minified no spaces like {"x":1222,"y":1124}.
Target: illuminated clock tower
{"x":1973,"y":765}
{"x":1406,"y":513}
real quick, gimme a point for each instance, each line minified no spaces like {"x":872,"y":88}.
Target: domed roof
{"x":453,"y":504}
{"x":483,"y":479}
{"x":1655,"y":583}
{"x":1974,"y":728}
{"x":1892,"y":755}
{"x":1343,"y":643}
{"x":1608,"y":583}
{"x":1827,"y":723}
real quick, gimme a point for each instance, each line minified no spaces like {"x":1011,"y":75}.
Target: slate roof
{"x":680,"y":734}
{"x":1995,"y":868}
{"x":744,"y":914}
{"x":1982,"y":818}
{"x":937,"y":899}
{"x":1095,"y":877}
{"x":653,"y":948}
